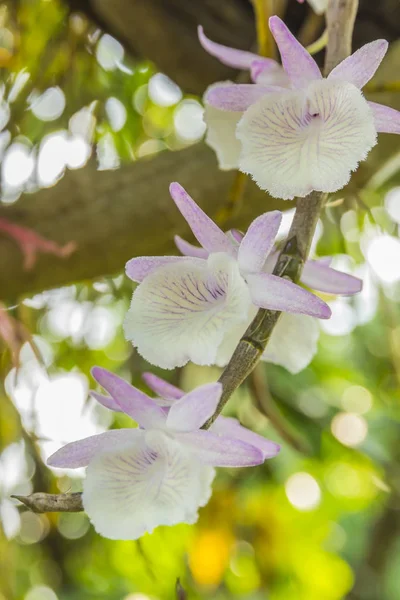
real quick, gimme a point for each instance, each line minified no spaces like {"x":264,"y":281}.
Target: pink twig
{"x":31,"y":243}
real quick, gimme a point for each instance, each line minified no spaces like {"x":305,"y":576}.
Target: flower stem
{"x":42,"y":503}
{"x":340,"y":24}
{"x":263,"y":11}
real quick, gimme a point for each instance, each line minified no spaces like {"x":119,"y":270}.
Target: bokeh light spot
{"x":49,"y":105}
{"x":109,"y":52}
{"x":188,"y":120}
{"x":383,"y":254}
{"x":303,"y":491}
{"x":357,"y":399}
{"x":163,"y":91}
{"x":350,"y":429}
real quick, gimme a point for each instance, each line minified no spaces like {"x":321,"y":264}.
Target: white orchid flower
{"x":312,"y":136}
{"x":161,"y":472}
{"x":221,"y":124}
{"x":185,"y":306}
{"x":294,"y":340}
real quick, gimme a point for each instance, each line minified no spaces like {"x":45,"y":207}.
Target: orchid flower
{"x":161,"y":472}
{"x":293,"y":342}
{"x":184,"y":306}
{"x":221,"y":124}
{"x":312,"y":136}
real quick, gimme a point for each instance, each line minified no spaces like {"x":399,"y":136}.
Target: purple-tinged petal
{"x":324,"y":279}
{"x":238,"y":97}
{"x":258,"y":242}
{"x":192,"y":411}
{"x":154,"y":482}
{"x":133,"y":402}
{"x":297,"y":62}
{"x":182,"y":312}
{"x":299,"y":141}
{"x":360,"y":67}
{"x":276,"y":293}
{"x":232,"y":57}
{"x":221,"y":132}
{"x":207,"y":233}
{"x":266,"y":71}
{"x":293,"y":343}
{"x":387,"y":120}
{"x":227,"y":426}
{"x":237,"y":235}
{"x":80,"y":453}
{"x":106,"y":401}
{"x":189,"y":249}
{"x":162,"y":388}
{"x":220,"y":451}
{"x":139,"y":268}
{"x":326,"y":261}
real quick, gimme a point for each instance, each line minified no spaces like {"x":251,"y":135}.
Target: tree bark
{"x":115,"y":215}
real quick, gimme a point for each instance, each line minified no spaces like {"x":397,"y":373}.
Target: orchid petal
{"x":258,"y":242}
{"x":297,"y":62}
{"x":293,"y":342}
{"x":232,"y":338}
{"x":181,"y":312}
{"x":266,"y":71}
{"x":133,"y":402}
{"x":193,"y":410}
{"x":106,"y":401}
{"x":189,"y":249}
{"x":81,"y":453}
{"x":139,"y":268}
{"x":360,"y":67}
{"x":237,"y":235}
{"x":227,"y":426}
{"x":162,"y":388}
{"x":129,"y":492}
{"x":221,"y":451}
{"x":276,"y":293}
{"x":324,"y":279}
{"x":237,"y":97}
{"x":231,"y":57}
{"x":207,"y":233}
{"x":387,"y":120}
{"x":296,"y":142}
{"x":221,"y":132}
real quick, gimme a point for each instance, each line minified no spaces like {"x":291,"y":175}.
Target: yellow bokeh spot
{"x":5,"y":57}
{"x":209,"y":555}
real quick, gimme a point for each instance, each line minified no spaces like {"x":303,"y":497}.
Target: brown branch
{"x":340,"y":20}
{"x":265,"y":403}
{"x":114,"y":215}
{"x":42,"y":503}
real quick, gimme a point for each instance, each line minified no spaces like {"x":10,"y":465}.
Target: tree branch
{"x":340,"y":22}
{"x":114,"y":215}
{"x":42,"y":503}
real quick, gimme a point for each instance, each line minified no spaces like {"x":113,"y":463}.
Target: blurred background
{"x":100,"y":107}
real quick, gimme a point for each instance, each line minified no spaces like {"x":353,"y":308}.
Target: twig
{"x":263,"y":10}
{"x":265,"y":403}
{"x":42,"y":503}
{"x":290,"y":264}
{"x":340,"y":19}
{"x":340,"y":23}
